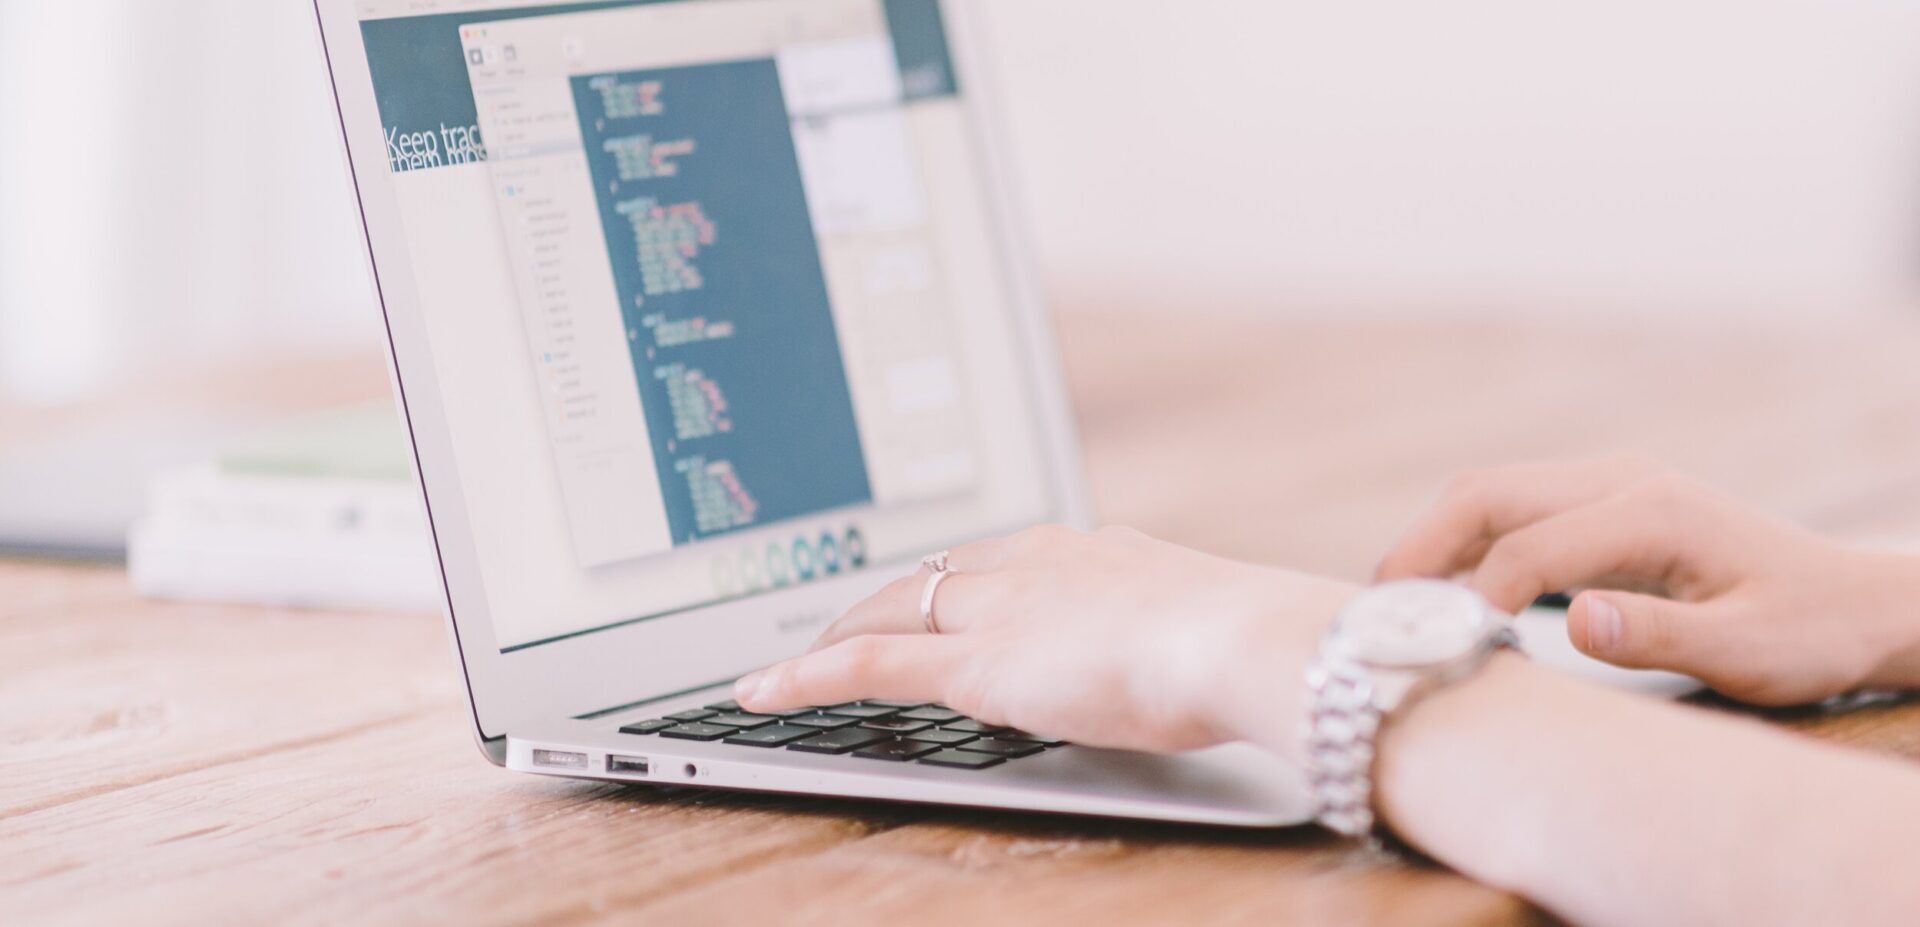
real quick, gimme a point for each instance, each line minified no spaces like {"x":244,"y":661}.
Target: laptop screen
{"x":711,"y":292}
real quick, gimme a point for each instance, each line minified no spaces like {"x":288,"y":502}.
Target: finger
{"x":959,"y":602}
{"x":1045,"y":546}
{"x":909,"y":667}
{"x":895,"y":609}
{"x":1478,"y":508}
{"x":1033,"y":546}
{"x":979,"y":556}
{"x":1038,"y":546}
{"x":1618,"y":540}
{"x":1644,"y":632}
{"x":884,"y":612}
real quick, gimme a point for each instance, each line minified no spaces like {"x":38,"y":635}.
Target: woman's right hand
{"x":1676,"y":577}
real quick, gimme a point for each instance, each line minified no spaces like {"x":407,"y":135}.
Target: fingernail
{"x":748,"y":686}
{"x":763,"y":690}
{"x":1603,"y":625}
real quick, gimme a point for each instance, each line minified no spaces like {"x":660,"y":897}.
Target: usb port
{"x":559,"y":759}
{"x":631,"y":765}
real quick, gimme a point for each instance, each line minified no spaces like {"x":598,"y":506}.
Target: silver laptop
{"x":708,"y":318}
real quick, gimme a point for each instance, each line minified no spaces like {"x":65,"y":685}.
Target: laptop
{"x":707,"y":318}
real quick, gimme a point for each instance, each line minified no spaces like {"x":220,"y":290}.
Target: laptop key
{"x":857,"y":710}
{"x":898,"y":751}
{"x":960,"y":759}
{"x":973,"y":727}
{"x":728,"y":705}
{"x":774,"y":735}
{"x":741,"y":719}
{"x":647,"y":727}
{"x":1006,"y":748}
{"x":823,"y":722}
{"x":694,"y":730}
{"x":889,"y":703}
{"x":841,"y":741}
{"x":695,"y":714}
{"x":931,"y":713}
{"x":897,"y":725}
{"x":943,"y":738}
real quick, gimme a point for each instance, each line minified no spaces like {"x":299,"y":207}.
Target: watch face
{"x":1414,"y":623}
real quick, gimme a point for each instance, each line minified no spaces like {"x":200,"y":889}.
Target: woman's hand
{"x":1679,"y":577}
{"x":1110,"y":639}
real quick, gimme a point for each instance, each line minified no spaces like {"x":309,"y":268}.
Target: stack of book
{"x":320,"y":513}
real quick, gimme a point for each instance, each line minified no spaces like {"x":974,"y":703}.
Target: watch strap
{"x":1343,"y":724}
{"x":1341,"y":727}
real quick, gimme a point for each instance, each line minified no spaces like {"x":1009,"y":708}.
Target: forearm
{"x":1612,"y":809}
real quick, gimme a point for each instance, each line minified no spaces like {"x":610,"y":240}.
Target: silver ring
{"x":926,"y":599}
{"x":937,"y":561}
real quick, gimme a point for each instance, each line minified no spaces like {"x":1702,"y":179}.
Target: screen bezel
{"x":623,"y":665}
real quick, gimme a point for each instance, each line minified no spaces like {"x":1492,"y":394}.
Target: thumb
{"x":1638,"y":631}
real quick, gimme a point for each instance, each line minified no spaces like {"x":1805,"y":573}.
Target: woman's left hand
{"x":1109,"y":639}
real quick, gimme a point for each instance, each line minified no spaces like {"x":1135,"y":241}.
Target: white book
{"x":342,"y":570}
{"x":209,"y":497}
{"x":320,"y":513}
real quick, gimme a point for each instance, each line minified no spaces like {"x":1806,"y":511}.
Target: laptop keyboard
{"x":898,"y":732}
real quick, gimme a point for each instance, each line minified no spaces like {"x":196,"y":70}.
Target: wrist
{"x":1266,"y":698}
{"x":1392,"y":647}
{"x":1422,"y":754}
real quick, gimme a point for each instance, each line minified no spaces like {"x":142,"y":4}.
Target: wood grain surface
{"x":165,"y":763}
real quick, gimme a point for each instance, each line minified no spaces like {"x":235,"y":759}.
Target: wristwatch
{"x":1389,"y":647}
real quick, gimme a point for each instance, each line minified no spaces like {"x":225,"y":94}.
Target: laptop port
{"x":630,"y":765}
{"x":559,"y":759}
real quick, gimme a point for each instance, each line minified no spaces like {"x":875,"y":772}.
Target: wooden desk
{"x":189,"y":764}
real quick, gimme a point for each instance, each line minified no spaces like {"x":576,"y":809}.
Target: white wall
{"x":1404,"y":155}
{"x":52,"y":225}
{"x":170,"y":189}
